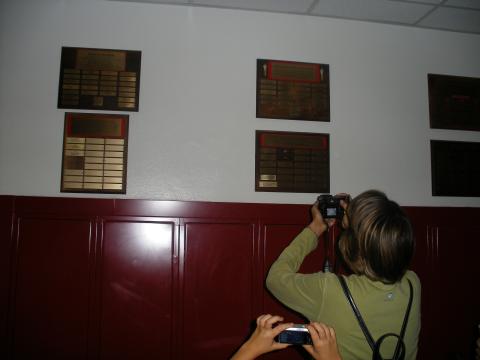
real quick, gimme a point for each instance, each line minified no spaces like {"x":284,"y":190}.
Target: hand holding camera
{"x":327,"y":210}
{"x":324,"y":342}
{"x":317,"y":338}
{"x":263,"y":338}
{"x":331,"y":206}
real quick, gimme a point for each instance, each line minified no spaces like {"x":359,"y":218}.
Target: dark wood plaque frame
{"x":293,"y":90}
{"x":95,"y":152}
{"x":455,"y":168}
{"x":292,"y":162}
{"x":454,"y":102}
{"x":99,"y":79}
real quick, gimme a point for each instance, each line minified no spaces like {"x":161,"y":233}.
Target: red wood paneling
{"x":219,"y":286}
{"x":136,"y":289}
{"x":51,"y":301}
{"x":423,"y":266}
{"x":104,"y":278}
{"x":454,"y":297}
{"x":26,"y":205}
{"x":447,"y":248}
{"x":6,"y":224}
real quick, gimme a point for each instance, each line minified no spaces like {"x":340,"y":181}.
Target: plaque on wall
{"x":292,"y":162}
{"x":95,"y":153}
{"x":293,"y":90}
{"x":99,"y":79}
{"x":454,"y":102}
{"x":455,"y":168}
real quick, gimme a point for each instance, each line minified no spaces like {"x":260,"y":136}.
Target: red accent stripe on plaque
{"x":316,"y":68}
{"x":97,"y":117}
{"x":322,"y":141}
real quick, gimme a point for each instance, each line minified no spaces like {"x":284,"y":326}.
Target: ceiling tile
{"x":434,"y":2}
{"x":472,"y":4}
{"x":296,"y":6}
{"x":451,"y":15}
{"x":453,"y":19}
{"x":377,"y":10}
{"x":175,"y":2}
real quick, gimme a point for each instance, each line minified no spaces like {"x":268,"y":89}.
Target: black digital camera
{"x":296,"y":335}
{"x":329,"y":206}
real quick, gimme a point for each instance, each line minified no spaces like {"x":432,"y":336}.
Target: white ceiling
{"x":450,"y":15}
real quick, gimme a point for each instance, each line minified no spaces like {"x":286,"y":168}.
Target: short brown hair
{"x":379,"y":241}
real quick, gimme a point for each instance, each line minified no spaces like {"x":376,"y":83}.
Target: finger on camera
{"x":273,"y":319}
{"x":319,"y":331}
{"x":282,"y":327}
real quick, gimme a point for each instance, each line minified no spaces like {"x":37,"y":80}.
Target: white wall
{"x":194,"y":136}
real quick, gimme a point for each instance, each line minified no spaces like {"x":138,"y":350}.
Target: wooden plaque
{"x":293,"y":90}
{"x":292,"y":162}
{"x":99,"y":79}
{"x":95,"y":153}
{"x":454,"y":102}
{"x":455,"y":168}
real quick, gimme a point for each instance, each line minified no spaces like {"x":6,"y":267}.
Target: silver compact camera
{"x":296,"y":335}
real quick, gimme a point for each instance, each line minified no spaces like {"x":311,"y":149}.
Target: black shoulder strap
{"x":405,"y":319}
{"x":375,"y":345}
{"x":361,"y":322}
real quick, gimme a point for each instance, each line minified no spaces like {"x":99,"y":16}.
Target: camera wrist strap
{"x":327,"y":267}
{"x":375,"y":345}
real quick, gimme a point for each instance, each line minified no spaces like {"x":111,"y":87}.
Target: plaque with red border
{"x":454,"y":102}
{"x":293,"y":90}
{"x":95,"y":153}
{"x":292,"y":162}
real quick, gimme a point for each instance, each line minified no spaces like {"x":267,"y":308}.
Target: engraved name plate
{"x":293,"y":90}
{"x":95,"y":153}
{"x":292,"y":162}
{"x":99,"y":79}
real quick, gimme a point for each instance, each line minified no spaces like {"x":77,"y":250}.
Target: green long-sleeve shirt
{"x":319,"y":297}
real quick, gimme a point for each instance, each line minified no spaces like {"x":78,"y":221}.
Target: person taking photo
{"x":377,"y":245}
